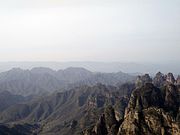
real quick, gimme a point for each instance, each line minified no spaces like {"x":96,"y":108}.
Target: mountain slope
{"x":70,"y":111}
{"x":7,"y":99}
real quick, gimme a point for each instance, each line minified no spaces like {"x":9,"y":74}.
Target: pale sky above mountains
{"x":90,"y":30}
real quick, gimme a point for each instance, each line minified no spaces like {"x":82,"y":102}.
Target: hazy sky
{"x":90,"y":30}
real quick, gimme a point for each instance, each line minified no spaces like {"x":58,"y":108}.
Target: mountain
{"x":41,"y":80}
{"x":148,"y":106}
{"x":68,"y":112}
{"x":107,"y":67}
{"x":151,"y":110}
{"x":7,"y":99}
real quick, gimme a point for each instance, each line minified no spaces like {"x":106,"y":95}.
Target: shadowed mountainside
{"x":69,"y":112}
{"x":7,"y":99}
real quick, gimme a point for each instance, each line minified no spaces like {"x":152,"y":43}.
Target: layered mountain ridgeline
{"x":153,"y":109}
{"x":42,"y":80}
{"x":66,"y":113}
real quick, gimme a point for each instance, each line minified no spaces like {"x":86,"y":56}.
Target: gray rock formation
{"x":151,"y":112}
{"x":178,"y":80}
{"x":141,"y":80}
{"x":170,"y":78}
{"x":159,"y":80}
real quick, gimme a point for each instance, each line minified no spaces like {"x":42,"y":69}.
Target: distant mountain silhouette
{"x":41,"y":80}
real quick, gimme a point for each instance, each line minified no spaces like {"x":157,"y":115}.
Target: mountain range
{"x":42,"y":80}
{"x":115,"y":104}
{"x":107,"y":67}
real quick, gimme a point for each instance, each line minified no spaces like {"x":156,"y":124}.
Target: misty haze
{"x":89,"y":67}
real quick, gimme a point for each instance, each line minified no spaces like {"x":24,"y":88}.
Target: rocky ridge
{"x":153,"y":109}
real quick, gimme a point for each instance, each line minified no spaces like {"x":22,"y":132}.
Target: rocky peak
{"x":106,"y":125}
{"x":151,"y":111}
{"x":159,"y":79}
{"x":162,"y":80}
{"x":146,"y":96}
{"x":111,"y":122}
{"x":171,"y":99}
{"x":141,"y":80}
{"x":178,"y":80}
{"x":170,"y":78}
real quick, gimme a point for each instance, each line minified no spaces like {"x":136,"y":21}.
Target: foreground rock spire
{"x":153,"y":108}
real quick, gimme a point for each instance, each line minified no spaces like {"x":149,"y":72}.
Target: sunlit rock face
{"x":152,"y":111}
{"x":153,"y":108}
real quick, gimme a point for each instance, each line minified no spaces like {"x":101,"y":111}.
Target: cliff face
{"x":153,"y":109}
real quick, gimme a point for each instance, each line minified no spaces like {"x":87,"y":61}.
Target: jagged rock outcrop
{"x":159,"y":79}
{"x":171,"y":98}
{"x":151,"y":121}
{"x":110,"y":119}
{"x":106,"y":125}
{"x":141,"y":80}
{"x":170,"y":78}
{"x":151,"y":111}
{"x":147,"y":95}
{"x":99,"y":128}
